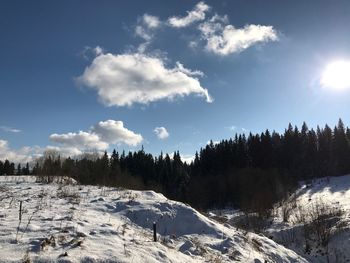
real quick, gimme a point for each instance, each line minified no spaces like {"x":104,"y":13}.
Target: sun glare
{"x":336,"y":75}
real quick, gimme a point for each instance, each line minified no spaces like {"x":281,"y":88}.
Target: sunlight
{"x":336,"y":75}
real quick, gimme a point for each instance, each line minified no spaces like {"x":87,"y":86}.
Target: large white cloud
{"x":197,"y":14}
{"x":125,"y":79}
{"x":161,"y":133}
{"x":226,"y":39}
{"x":99,"y":137}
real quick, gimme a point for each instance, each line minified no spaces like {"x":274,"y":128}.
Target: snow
{"x":332,"y":192}
{"x":75,"y":223}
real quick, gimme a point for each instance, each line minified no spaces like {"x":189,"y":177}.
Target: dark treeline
{"x":250,"y":172}
{"x":8,"y":168}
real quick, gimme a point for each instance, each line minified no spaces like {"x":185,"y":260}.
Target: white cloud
{"x":23,"y":155}
{"x":146,"y":26}
{"x":214,"y":142}
{"x":143,"y":33}
{"x":161,"y":133}
{"x":9,"y":129}
{"x":86,"y":140}
{"x":193,"y":44}
{"x":113,"y":132}
{"x":151,"y":21}
{"x":89,"y":52}
{"x":98,"y":50}
{"x":188,"y":158}
{"x":122,"y":80}
{"x":64,"y":151}
{"x":197,"y":14}
{"x":232,"y":128}
{"x":99,"y":137}
{"x":188,"y":72}
{"x":226,"y":39}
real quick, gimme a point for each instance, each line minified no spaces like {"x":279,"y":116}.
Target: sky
{"x":77,"y":76}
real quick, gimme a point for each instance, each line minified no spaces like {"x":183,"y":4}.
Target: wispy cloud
{"x":146,"y":25}
{"x":91,"y":52}
{"x":125,"y":79}
{"x":225,"y":39}
{"x":232,"y":128}
{"x":10,"y":129}
{"x":197,"y":14}
{"x":145,"y":28}
{"x":220,"y":37}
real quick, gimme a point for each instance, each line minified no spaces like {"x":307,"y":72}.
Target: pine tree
{"x":341,"y":149}
{"x":19,"y":169}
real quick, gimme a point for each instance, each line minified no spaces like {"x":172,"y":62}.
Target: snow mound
{"x":75,"y":223}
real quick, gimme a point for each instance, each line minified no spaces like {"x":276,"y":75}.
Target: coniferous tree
{"x":341,"y":149}
{"x":19,"y":169}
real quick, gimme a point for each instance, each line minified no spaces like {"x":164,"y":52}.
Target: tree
{"x":19,"y":169}
{"x":341,"y":149}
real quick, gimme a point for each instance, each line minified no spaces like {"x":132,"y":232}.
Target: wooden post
{"x":154,"y":232}
{"x":20,"y":211}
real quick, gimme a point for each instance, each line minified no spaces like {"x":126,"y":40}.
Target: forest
{"x":248,"y":172}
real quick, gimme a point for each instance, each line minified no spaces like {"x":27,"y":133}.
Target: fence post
{"x":20,"y":211}
{"x":154,"y":232}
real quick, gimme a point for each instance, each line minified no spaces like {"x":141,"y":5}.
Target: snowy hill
{"x":326,"y":203}
{"x":74,"y":223}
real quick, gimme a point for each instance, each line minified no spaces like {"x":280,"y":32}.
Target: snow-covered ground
{"x":75,"y":223}
{"x":329,"y":195}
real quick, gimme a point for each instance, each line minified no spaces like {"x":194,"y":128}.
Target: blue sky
{"x":169,"y":75}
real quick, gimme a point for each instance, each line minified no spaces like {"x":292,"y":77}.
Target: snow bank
{"x":77,"y":223}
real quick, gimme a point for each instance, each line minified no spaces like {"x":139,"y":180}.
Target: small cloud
{"x":98,"y":50}
{"x":188,"y":158}
{"x":193,"y":44}
{"x":146,"y":25}
{"x":9,"y":129}
{"x":223,"y":39}
{"x":90,"y":52}
{"x":214,"y":142}
{"x":197,"y":14}
{"x":99,"y":137}
{"x":232,"y":128}
{"x":151,"y":21}
{"x":161,"y":133}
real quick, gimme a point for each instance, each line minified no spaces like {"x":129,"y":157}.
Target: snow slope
{"x":331,"y":192}
{"x":75,"y":223}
